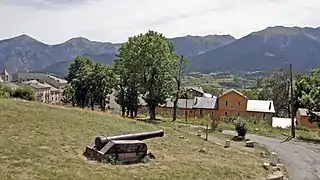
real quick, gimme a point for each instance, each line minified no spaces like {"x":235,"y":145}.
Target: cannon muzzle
{"x":101,"y":141}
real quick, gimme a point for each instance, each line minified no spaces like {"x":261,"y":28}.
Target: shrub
{"x":26,"y":93}
{"x":302,"y":128}
{"x":4,"y":95}
{"x":241,"y":129}
{"x":5,"y":92}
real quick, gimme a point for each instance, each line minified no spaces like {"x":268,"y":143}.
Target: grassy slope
{"x":41,"y":142}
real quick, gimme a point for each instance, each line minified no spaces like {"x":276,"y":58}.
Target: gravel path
{"x":302,"y":160}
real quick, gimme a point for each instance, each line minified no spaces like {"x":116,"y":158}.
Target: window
{"x":231,"y":107}
{"x":264,"y":116}
{"x":201,"y":113}
{"x":190,"y":112}
{"x":252,"y":115}
{"x":226,"y":113}
{"x":226,"y":103}
{"x":239,"y":103}
{"x":238,"y":114}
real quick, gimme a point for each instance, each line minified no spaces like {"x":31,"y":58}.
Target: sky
{"x":55,"y":21}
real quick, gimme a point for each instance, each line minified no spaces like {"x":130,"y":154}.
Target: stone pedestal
{"x":273,"y":159}
{"x":250,"y":144}
{"x":275,"y":176}
{"x":227,"y":144}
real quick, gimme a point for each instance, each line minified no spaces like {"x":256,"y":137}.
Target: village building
{"x":303,"y":119}
{"x":48,"y":88}
{"x":52,"y":80}
{"x":4,"y":76}
{"x":183,"y":106}
{"x":231,"y":103}
{"x":205,"y":106}
{"x":44,"y":92}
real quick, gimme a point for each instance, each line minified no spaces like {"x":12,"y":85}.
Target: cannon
{"x":125,"y":148}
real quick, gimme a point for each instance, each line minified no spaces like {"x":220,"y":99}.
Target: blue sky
{"x":55,"y":21}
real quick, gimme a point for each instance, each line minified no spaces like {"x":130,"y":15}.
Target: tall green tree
{"x":120,"y":84}
{"x":307,"y":94}
{"x":178,"y":77}
{"x":277,"y":89}
{"x":149,"y":62}
{"x":128,"y":74}
{"x":79,"y":77}
{"x":102,"y":83}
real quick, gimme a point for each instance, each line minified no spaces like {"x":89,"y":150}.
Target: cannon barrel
{"x":101,"y":141}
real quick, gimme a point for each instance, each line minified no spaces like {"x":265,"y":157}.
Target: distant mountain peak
{"x":22,"y":38}
{"x":279,"y":30}
{"x":78,"y":40}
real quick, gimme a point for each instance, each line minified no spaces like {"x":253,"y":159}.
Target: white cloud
{"x":115,"y":20}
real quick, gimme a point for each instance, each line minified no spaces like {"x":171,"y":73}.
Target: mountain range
{"x":268,"y":49}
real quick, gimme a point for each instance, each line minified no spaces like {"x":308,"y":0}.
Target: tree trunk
{"x":175,"y":103}
{"x":152,"y":111}
{"x":103,"y":105}
{"x":73,"y":102}
{"x":123,"y":110}
{"x":92,"y":104}
{"x":83,"y":103}
{"x":131,"y":113}
{"x":136,"y":112}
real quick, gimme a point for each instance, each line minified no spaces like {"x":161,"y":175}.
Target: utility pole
{"x":186,"y":112}
{"x":293,"y":133}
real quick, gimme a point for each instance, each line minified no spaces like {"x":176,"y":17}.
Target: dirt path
{"x":302,"y":161}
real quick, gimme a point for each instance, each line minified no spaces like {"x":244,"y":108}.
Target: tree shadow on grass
{"x":308,"y":140}
{"x":147,"y":120}
{"x":238,"y":138}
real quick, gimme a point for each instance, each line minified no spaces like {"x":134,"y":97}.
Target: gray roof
{"x":36,"y":84}
{"x":260,"y":106}
{"x":205,"y":103}
{"x":198,"y":89}
{"x":51,"y":87}
{"x":59,"y":80}
{"x":303,"y":112}
{"x":207,"y":95}
{"x":181,"y":103}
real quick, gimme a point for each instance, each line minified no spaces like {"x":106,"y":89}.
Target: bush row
{"x":23,"y":92}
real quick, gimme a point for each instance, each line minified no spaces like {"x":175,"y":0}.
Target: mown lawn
{"x":43,"y":142}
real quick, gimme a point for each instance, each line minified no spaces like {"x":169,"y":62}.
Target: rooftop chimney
{"x":270,"y":106}
{"x":196,"y":101}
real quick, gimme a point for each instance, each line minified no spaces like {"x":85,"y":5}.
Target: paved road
{"x":301,"y":160}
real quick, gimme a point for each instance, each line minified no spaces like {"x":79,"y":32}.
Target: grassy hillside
{"x":43,"y":142}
